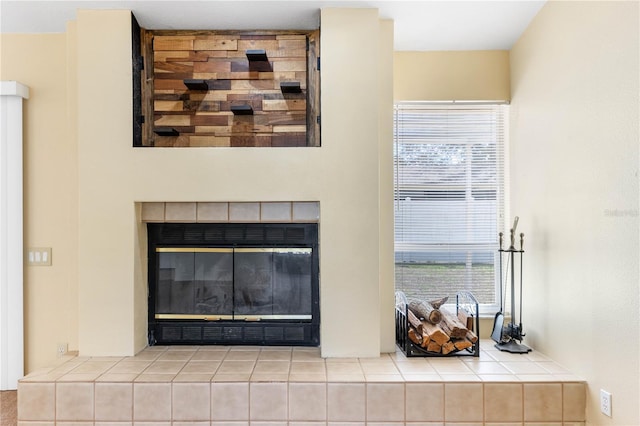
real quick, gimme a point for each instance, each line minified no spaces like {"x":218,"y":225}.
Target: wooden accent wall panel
{"x":194,"y":80}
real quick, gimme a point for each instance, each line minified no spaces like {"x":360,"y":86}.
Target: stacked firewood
{"x":437,"y":330}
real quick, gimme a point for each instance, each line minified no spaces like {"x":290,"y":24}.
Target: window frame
{"x":486,"y":309}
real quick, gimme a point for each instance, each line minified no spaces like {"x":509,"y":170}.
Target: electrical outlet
{"x":62,"y":349}
{"x":605,"y":402}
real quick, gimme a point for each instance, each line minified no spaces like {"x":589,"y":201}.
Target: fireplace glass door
{"x":272,"y":283}
{"x":250,"y":284}
{"x":194,"y":283}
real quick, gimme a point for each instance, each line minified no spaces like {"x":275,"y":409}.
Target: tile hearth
{"x":270,"y":386}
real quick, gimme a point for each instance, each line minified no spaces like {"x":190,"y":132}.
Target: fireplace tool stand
{"x":508,"y":338}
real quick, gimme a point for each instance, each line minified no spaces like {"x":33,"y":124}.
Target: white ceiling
{"x":419,"y":25}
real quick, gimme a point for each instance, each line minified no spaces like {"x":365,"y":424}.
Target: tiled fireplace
{"x":121,"y":188}
{"x":233,"y":273}
{"x":230,"y":385}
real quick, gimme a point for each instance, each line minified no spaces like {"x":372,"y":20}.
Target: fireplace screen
{"x":228,"y":283}
{"x":233,"y":283}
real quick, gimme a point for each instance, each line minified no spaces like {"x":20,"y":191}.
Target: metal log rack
{"x":465,"y":302}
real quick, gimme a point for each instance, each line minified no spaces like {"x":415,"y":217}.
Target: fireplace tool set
{"x":508,"y":337}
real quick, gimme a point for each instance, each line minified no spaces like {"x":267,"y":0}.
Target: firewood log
{"x":452,"y":325}
{"x":471,"y":336}
{"x":435,"y":333}
{"x":425,"y":340}
{"x":448,"y":348}
{"x":466,"y":319}
{"x":462,"y":344}
{"x":434,"y":347}
{"x":414,"y":321}
{"x":438,"y":302}
{"x":424,"y":310}
{"x":414,"y":336}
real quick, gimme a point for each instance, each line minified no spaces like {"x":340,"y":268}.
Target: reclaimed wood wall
{"x":179,"y":113}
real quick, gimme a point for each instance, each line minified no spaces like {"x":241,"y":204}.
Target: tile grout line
{"x":404,"y":417}
{"x":366,"y":402}
{"x":562,"y":402}
{"x":249,"y":399}
{"x":522,"y":403}
{"x":484,"y":408}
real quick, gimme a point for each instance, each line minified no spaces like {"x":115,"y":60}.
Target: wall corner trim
{"x":11,"y":229}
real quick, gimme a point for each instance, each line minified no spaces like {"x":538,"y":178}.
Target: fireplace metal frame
{"x":276,"y":330}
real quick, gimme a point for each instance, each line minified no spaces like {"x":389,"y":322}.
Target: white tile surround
{"x":272,"y":386}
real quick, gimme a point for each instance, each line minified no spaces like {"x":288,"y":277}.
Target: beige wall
{"x":350,"y":189}
{"x":385,"y":179}
{"x":84,"y":183}
{"x":574,"y":180}
{"x":105,"y":175}
{"x":451,"y":75}
{"x":50,"y":197}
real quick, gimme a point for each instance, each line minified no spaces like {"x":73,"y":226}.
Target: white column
{"x":11,"y":249}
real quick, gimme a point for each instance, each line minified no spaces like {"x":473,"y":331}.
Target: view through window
{"x":449,"y":199}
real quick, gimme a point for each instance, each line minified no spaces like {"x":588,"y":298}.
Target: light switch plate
{"x":39,"y":256}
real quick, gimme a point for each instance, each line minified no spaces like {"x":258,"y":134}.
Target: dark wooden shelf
{"x":256,"y":55}
{"x":166,"y":131}
{"x":196,"y":84}
{"x":242,"y":109}
{"x":290,"y":87}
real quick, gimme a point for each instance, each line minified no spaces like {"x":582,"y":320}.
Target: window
{"x":449,"y":199}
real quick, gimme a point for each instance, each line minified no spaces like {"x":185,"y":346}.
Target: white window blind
{"x":449,"y":198}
